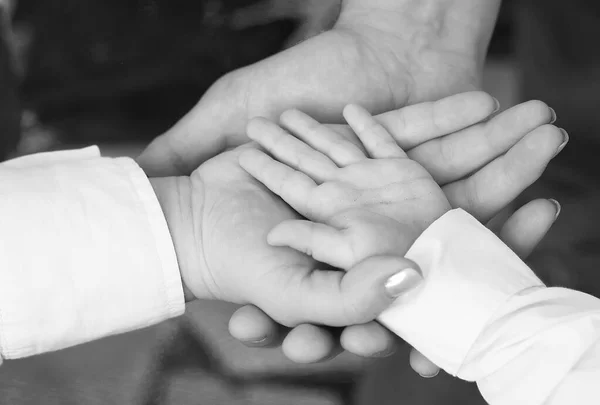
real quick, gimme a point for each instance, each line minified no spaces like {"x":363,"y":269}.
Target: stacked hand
{"x":327,"y":178}
{"x":505,"y":155}
{"x":382,"y":55}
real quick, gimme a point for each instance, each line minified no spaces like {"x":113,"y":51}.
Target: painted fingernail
{"x":553,"y":115}
{"x":564,"y":143}
{"x":402,"y":282}
{"x":430,"y":375}
{"x":558,"y":207}
{"x":497,"y":103}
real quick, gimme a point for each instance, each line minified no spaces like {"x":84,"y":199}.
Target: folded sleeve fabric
{"x":85,"y":252}
{"x":482,"y":315}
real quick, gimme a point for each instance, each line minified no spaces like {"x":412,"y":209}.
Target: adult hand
{"x":380,"y":54}
{"x":531,"y":145}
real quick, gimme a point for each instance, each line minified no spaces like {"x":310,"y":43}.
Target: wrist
{"x":172,"y":194}
{"x":463,"y":25}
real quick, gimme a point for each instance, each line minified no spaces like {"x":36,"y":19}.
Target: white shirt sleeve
{"x":85,"y":252}
{"x":482,"y":315}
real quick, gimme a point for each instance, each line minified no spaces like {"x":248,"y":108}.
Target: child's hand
{"x":362,"y":204}
{"x":219,"y":219}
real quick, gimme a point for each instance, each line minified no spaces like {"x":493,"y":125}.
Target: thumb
{"x":358,"y":296}
{"x":178,"y":153}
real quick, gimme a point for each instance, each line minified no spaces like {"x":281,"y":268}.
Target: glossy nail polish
{"x":403,"y":282}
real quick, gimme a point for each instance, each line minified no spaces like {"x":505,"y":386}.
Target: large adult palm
{"x":382,"y":55}
{"x":365,"y":59}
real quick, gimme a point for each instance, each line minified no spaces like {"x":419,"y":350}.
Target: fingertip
{"x":422,"y":365}
{"x":255,"y":126}
{"x":275,"y":237}
{"x":368,"y":340}
{"x":306,"y":344}
{"x":289,"y":116}
{"x":528,"y":225}
{"x":350,"y":110}
{"x":252,"y":327}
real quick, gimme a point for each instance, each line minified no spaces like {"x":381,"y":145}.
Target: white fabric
{"x":482,"y":315}
{"x":85,"y":252}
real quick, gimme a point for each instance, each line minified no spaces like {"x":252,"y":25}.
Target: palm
{"x":335,"y":78}
{"x":396,"y":188}
{"x":319,"y":76}
{"x":238,"y":212}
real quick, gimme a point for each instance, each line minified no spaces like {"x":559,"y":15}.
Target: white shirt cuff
{"x":85,"y":252}
{"x":469,"y":273}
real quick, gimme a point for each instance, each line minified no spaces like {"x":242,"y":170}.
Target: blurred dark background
{"x":120,"y":72}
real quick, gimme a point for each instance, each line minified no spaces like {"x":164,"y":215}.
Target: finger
{"x":422,"y":365}
{"x":323,"y":242}
{"x":336,"y":298}
{"x":292,"y":186}
{"x":493,"y":187}
{"x":308,"y":343}
{"x":375,"y":138}
{"x":369,"y":340}
{"x":528,"y":225}
{"x":419,"y":123}
{"x":323,"y":138}
{"x":253,"y":327}
{"x":455,"y":156}
{"x":290,"y":150}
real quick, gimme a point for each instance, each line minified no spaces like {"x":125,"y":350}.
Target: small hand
{"x":331,"y":181}
{"x":482,"y":168}
{"x":229,"y":259}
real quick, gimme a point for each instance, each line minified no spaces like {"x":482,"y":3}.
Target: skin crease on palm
{"x":238,"y":212}
{"x":436,"y":68}
{"x":362,"y":60}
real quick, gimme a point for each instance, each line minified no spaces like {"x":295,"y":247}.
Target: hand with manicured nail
{"x":220,"y":217}
{"x":230,"y":214}
{"x":357,"y":204}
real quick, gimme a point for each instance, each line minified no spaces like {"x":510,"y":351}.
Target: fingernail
{"x":558,"y":207}
{"x":385,"y":353}
{"x":402,"y":282}
{"x":430,"y":375}
{"x":564,"y":143}
{"x":497,"y":107}
{"x":553,"y":119}
{"x":257,"y":342}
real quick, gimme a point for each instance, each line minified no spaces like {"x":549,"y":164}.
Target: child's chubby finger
{"x":357,"y":296}
{"x":490,"y":189}
{"x":416,"y":124}
{"x":323,"y":242}
{"x":290,"y":150}
{"x":291,"y":185}
{"x":378,"y":142}
{"x":452,"y":157}
{"x":322,"y":138}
